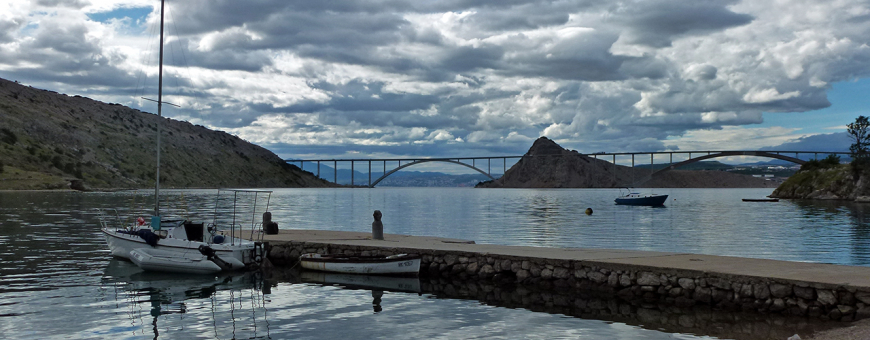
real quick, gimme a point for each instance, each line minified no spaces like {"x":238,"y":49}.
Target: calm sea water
{"x":58,"y":281}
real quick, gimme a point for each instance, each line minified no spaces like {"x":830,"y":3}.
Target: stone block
{"x":648,"y":279}
{"x":686,"y":283}
{"x":760,"y":291}
{"x":826,"y":297}
{"x":777,"y":305}
{"x":846,"y":310}
{"x":780,"y":290}
{"x":471,"y":269}
{"x":561,"y":273}
{"x":613,"y":279}
{"x":522,"y":275}
{"x":720,"y":283}
{"x":507,"y":265}
{"x":805,"y":293}
{"x":863,"y":297}
{"x":702,"y":294}
{"x":596,"y":277}
{"x":721,"y":295}
{"x":546,"y":273}
{"x":846,"y":298}
{"x":450,"y":259}
{"x":624,"y":280}
{"x":580,"y":273}
{"x":746,"y":290}
{"x":535,"y":271}
{"x":526,"y":265}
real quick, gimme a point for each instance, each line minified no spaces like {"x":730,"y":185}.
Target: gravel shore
{"x":859,"y":330}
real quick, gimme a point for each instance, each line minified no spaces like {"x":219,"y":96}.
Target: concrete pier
{"x":823,"y":291}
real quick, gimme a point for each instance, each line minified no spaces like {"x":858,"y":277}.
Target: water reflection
{"x":377,"y":284}
{"x":590,"y":305}
{"x":232,"y":306}
{"x":825,"y":218}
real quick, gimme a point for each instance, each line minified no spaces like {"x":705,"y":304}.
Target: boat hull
{"x":121,"y":244}
{"x":652,"y":200}
{"x":760,"y":200}
{"x":172,"y":261}
{"x":402,"y":264}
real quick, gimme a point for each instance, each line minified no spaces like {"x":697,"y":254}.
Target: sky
{"x":458,"y":78}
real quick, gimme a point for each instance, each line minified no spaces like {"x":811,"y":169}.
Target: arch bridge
{"x":402,"y":163}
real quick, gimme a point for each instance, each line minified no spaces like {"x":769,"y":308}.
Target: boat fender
{"x":588,"y":211}
{"x":149,"y":237}
{"x":218,"y":239}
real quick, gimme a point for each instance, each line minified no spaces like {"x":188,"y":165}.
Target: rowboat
{"x":400,"y":264}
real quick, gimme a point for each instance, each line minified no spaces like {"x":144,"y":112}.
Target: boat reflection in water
{"x":238,"y":300}
{"x":376,"y":283}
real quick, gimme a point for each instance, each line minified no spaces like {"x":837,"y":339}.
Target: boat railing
{"x":105,"y":219}
{"x":235,"y":231}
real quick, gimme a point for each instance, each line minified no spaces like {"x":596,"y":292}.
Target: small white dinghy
{"x":400,"y":264}
{"x":172,"y":261}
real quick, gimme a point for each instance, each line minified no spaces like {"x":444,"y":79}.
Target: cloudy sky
{"x":394,"y":78}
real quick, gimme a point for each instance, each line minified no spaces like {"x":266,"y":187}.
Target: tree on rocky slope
{"x":859,"y":131}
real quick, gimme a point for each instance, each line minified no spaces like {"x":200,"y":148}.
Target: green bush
{"x":832,"y":161}
{"x":8,"y":136}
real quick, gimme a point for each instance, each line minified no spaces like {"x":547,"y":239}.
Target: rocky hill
{"x":835,"y":183}
{"x":50,"y":140}
{"x":548,"y":165}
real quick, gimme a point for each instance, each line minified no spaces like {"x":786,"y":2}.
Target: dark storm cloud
{"x":68,"y":39}
{"x":658,"y":23}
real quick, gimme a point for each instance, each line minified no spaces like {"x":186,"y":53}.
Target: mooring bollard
{"x":269,"y":227}
{"x":377,"y":226}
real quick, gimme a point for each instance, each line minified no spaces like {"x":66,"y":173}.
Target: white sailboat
{"x":192,"y":242}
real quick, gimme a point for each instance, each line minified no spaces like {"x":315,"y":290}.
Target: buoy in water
{"x":588,"y":211}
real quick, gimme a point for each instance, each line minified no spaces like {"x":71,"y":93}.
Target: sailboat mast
{"x":159,"y":115}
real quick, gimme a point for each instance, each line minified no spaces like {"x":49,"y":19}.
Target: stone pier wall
{"x":682,"y":288}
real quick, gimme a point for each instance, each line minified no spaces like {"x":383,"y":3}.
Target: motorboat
{"x":222,"y":234}
{"x":174,"y":262}
{"x":181,"y":236}
{"x":634,"y":198}
{"x":400,"y":264}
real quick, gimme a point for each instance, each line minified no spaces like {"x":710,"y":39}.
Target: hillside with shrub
{"x":50,"y":141}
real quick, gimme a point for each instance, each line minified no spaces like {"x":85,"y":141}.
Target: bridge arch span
{"x":732,"y":153}
{"x":425,"y":161}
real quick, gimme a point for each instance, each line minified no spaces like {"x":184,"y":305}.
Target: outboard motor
{"x":209,"y":253}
